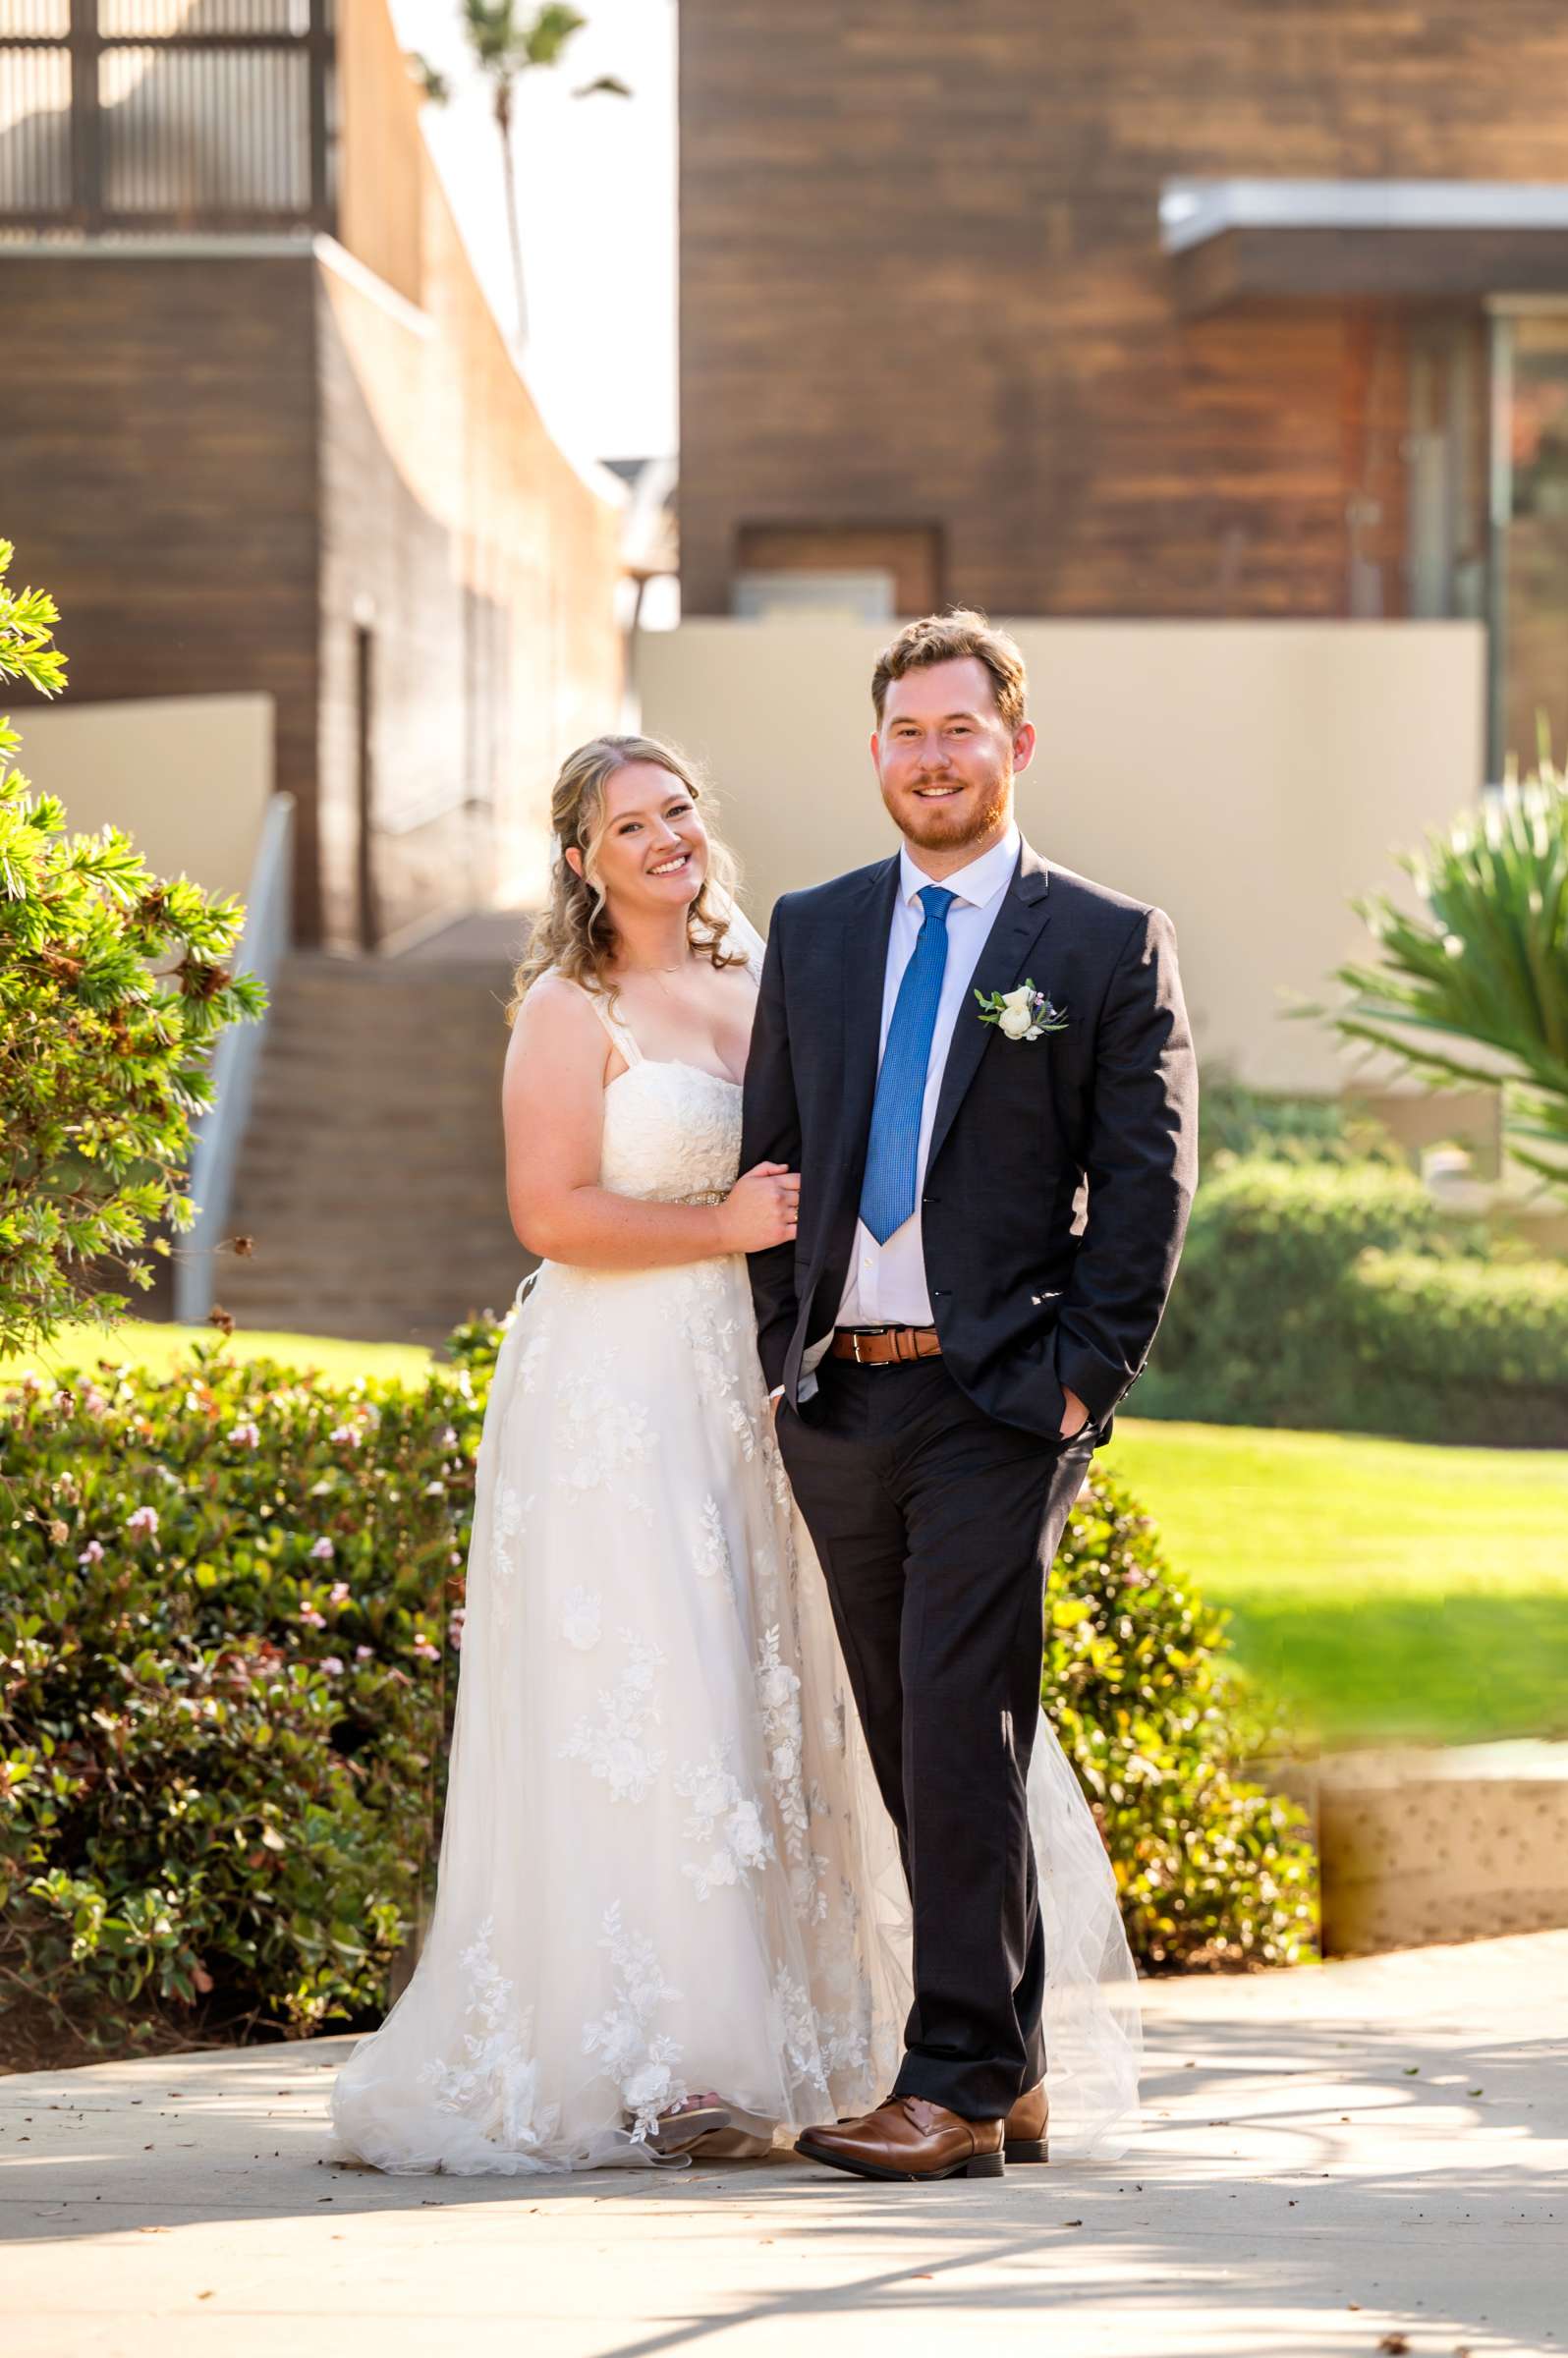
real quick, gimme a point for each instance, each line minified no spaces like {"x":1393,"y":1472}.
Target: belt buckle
{"x":855,"y":1345}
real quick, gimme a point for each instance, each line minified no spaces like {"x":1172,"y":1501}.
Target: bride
{"x":670,"y":1910}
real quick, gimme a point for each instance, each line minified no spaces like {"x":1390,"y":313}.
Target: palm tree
{"x":508,"y":40}
{"x":1476,"y":988}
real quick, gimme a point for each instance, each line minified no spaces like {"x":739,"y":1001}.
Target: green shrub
{"x":1213,"y":1870}
{"x":1301,"y":1300}
{"x":222,"y":1680}
{"x":231,"y":1601}
{"x":1481,"y":1345}
{"x":1235,"y":1120}
{"x":113,"y":992}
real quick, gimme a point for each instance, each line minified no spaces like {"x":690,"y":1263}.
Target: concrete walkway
{"x":1332,"y":2157}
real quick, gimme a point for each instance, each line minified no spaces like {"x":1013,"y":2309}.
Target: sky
{"x":597,"y":191}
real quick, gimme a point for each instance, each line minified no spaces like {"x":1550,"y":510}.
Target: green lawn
{"x":158,"y":1347}
{"x":1382,"y":1589}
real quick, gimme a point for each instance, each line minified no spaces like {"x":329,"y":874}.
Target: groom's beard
{"x":948,"y":826}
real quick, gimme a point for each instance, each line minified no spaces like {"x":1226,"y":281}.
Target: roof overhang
{"x":1412,"y":241}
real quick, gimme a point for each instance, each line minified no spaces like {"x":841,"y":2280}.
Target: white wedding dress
{"x":665,"y":1867}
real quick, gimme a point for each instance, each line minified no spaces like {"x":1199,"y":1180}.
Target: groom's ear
{"x":876,"y":753}
{"x":1024,"y":744}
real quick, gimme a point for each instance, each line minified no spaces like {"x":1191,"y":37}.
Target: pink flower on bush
{"x":92,"y":1553}
{"x":453,"y":1628}
{"x":424,"y":1650}
{"x":245,"y":1436}
{"x":349,"y":1434}
{"x":143,"y":1522}
{"x":323,"y":1551}
{"x":94,"y":1402}
{"x":311,"y":1619}
{"x":361,"y":1654}
{"x":339,"y":1593}
{"x":332,"y":1665}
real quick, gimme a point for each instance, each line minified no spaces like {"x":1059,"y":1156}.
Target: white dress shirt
{"x":887,"y":1282}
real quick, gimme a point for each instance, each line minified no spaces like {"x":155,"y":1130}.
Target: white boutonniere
{"x":1021,"y":1014}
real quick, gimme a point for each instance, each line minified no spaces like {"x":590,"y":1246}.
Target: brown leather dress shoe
{"x":1024,"y":2132}
{"x":909,"y":2139}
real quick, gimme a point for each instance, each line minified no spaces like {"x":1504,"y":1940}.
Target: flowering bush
{"x":232,"y":1605}
{"x":1213,"y":1870}
{"x":223,"y":1676}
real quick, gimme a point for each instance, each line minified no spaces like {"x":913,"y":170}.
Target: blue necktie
{"x":887,"y":1197}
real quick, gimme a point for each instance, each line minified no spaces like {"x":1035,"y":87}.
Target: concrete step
{"x":289,"y":1201}
{"x":387,"y":1277}
{"x":438,"y":1103}
{"x":374,"y":1174}
{"x":447,"y":1046}
{"x":336,"y":1131}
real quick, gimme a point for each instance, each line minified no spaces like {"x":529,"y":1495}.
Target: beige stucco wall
{"x":186,"y":776}
{"x":1250,"y":777}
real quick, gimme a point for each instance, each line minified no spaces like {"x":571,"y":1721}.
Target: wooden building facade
{"x":976,"y":304}
{"x":264,"y":434}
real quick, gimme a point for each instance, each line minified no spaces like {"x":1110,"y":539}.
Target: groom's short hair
{"x":947,"y":639}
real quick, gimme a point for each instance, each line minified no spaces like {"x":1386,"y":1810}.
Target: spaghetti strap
{"x":619,"y":1032}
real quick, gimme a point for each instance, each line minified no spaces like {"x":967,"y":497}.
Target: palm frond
{"x":1482,"y":966}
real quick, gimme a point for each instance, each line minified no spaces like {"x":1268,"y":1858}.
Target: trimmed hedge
{"x":1459,"y":1328}
{"x":1235,"y":1120}
{"x":1340,"y":1296}
{"x":232,"y":1603}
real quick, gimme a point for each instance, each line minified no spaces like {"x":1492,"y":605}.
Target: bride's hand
{"x":761,"y":1209}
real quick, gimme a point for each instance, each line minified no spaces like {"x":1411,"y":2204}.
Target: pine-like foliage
{"x":113,"y":989}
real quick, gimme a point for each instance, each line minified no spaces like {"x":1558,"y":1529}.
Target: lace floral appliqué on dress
{"x":631,"y":1868}
{"x":665,"y":1866}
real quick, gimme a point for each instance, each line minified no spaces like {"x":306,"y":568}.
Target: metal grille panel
{"x":35,"y":20}
{"x":193,"y":132}
{"x":136,"y":20}
{"x":34,"y":131}
{"x":174,"y":115}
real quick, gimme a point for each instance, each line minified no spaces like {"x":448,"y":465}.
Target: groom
{"x":994,"y":1185}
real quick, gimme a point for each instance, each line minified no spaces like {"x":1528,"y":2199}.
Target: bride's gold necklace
{"x":658,"y":973}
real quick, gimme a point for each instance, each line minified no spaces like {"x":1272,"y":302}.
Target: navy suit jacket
{"x":1061,"y":1169}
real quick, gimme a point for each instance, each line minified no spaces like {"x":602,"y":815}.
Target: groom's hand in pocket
{"x":1074,"y":1417}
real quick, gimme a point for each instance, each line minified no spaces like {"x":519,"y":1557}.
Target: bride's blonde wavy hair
{"x":574,"y":935}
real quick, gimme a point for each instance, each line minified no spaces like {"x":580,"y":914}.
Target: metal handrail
{"x":216,"y":1151}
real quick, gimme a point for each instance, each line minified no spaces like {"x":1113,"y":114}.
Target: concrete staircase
{"x":373,"y":1172}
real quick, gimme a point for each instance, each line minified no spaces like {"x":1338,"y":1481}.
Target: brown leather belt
{"x":885,"y":1346}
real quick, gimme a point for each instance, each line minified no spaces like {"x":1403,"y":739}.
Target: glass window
{"x":1529,"y":517}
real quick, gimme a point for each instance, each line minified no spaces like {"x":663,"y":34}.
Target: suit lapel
{"x":1021,"y":920}
{"x":865,"y":933}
